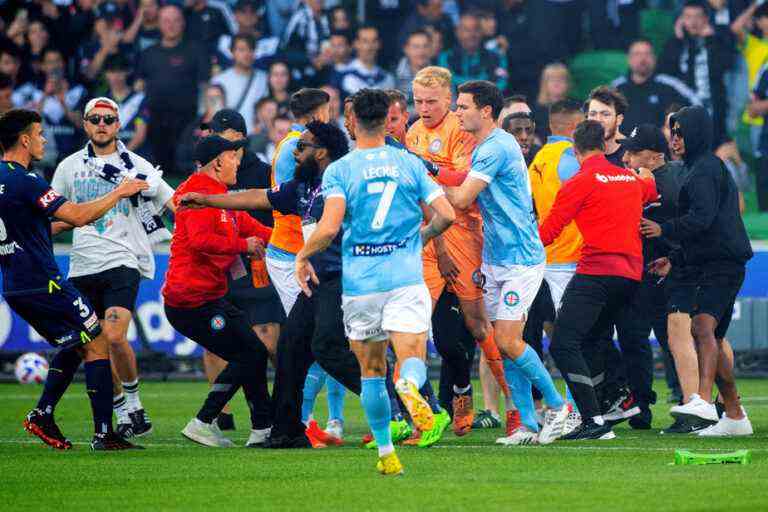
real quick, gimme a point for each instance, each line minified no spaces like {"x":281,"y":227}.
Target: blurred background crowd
{"x":171,"y":64}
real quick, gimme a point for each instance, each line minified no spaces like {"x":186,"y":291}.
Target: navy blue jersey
{"x":26,"y":251}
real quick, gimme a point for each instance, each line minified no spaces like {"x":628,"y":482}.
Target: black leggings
{"x":223,"y":330}
{"x":455,"y":345}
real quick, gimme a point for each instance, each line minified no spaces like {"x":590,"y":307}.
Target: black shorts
{"x":680,"y":289}
{"x":260,"y":305}
{"x":718,"y":287}
{"x":63,"y":317}
{"x":115,"y":287}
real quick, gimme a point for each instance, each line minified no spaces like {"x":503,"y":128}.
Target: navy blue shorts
{"x":63,"y":317}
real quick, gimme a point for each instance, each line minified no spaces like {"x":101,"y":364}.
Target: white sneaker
{"x":697,"y":407}
{"x":554,"y":423}
{"x":206,"y":434}
{"x":257,"y":437}
{"x":572,"y":422}
{"x":335,"y":428}
{"x":520,"y":437}
{"x":727,"y":427}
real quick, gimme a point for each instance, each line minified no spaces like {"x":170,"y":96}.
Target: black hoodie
{"x":708,"y":224}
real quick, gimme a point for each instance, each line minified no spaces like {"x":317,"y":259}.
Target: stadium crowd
{"x":575,"y":216}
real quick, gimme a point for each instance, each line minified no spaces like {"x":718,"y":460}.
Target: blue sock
{"x":429,"y":395}
{"x":520,"y":387}
{"x":394,"y":400}
{"x":376,"y":406}
{"x":414,"y":370}
{"x":335,"y":399}
{"x":532,"y":367}
{"x":98,"y":384}
{"x":312,"y":385}
{"x":62,"y":370}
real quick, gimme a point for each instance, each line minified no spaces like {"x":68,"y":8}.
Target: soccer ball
{"x":31,"y":368}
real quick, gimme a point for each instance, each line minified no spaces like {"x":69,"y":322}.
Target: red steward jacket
{"x":204,"y":245}
{"x":606,"y":202}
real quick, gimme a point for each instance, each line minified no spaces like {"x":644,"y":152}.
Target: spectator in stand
{"x":265,"y":112}
{"x":649,"y":93}
{"x":754,"y":48}
{"x":334,"y":58}
{"x":61,"y":104}
{"x":281,"y":125}
{"x":436,"y":42}
{"x":334,"y":106}
{"x":759,"y":107}
{"x":469,"y":60}
{"x":214,"y":100}
{"x":427,"y":13}
{"x":416,"y":58}
{"x":133,"y":111}
{"x":206,"y":21}
{"x":6,"y":93}
{"x":554,"y":86}
{"x":144,"y":31}
{"x":302,"y":41}
{"x":364,"y":72}
{"x":614,"y":24}
{"x":278,"y":14}
{"x":700,"y":59}
{"x":106,"y":44}
{"x":173,"y":72}
{"x":340,"y":20}
{"x":729,"y":153}
{"x":492,"y":40}
{"x":10,"y":64}
{"x":76,"y":27}
{"x":389,"y":18}
{"x":248,"y":17}
{"x":38,"y":39}
{"x":243,"y":85}
{"x":280,"y":85}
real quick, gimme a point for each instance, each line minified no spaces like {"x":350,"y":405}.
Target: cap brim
{"x":629,"y":144}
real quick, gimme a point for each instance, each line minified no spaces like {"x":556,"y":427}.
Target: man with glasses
{"x":110,"y":256}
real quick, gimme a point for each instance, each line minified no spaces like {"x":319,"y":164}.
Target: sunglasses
{"x":676,"y":132}
{"x":302,"y":145}
{"x":95,"y":119}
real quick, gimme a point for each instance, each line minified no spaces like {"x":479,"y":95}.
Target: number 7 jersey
{"x":381,"y":245}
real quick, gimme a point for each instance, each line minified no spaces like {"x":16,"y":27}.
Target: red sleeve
{"x":203,"y":237}
{"x":649,"y":190}
{"x":248,"y":227}
{"x":451,"y":178}
{"x":567,"y":204}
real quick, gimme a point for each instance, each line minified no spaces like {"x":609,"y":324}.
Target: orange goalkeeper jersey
{"x":448,"y":146}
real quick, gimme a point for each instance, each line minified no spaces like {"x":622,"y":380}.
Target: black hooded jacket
{"x":708,"y":224}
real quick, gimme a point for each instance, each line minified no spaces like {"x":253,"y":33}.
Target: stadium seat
{"x":590,"y":69}
{"x":658,"y":25}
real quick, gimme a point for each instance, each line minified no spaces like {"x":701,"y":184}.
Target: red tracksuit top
{"x":606,"y":202}
{"x":204,"y":245}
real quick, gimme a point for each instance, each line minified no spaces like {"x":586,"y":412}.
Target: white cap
{"x":102,"y":102}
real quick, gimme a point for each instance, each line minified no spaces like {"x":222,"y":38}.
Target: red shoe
{"x":513,"y":422}
{"x":44,"y":427}
{"x":414,"y":439}
{"x":367,"y":438}
{"x":313,"y":440}
{"x":463,"y":415}
{"x":314,"y":431}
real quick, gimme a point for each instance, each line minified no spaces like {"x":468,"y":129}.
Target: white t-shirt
{"x":234,"y":84}
{"x":118,"y":238}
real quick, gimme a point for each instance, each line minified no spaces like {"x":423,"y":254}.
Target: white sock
{"x":460,"y":391}
{"x":386,"y":450}
{"x":120,"y":406}
{"x":131,"y":390}
{"x":599,"y":420}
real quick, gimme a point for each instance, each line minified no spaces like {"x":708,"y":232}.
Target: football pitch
{"x":632,"y":472}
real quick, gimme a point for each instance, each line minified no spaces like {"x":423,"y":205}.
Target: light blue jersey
{"x":511,"y":236}
{"x":381,"y":246}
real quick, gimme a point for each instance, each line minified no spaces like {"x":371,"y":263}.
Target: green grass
{"x":470,"y":473}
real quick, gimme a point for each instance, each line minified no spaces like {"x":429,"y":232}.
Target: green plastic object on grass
{"x":688,"y":458}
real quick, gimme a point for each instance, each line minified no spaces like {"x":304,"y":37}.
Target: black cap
{"x":255,"y":4}
{"x":645,"y":136}
{"x":227,"y":118}
{"x":107,"y":10}
{"x":212,"y":146}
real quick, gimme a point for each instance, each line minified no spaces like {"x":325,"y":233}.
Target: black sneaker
{"x":112,"y":442}
{"x":286,"y":442}
{"x":590,"y":430}
{"x":125,"y":430}
{"x":687,"y":425}
{"x":142,"y":425}
{"x":43,"y":426}
{"x":225,"y":421}
{"x":643,"y":420}
{"x":622,"y":408}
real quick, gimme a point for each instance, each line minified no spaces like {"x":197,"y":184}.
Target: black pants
{"x":455,"y":345}
{"x":224,"y":330}
{"x":590,"y":305}
{"x":313,"y":332}
{"x":164,"y":133}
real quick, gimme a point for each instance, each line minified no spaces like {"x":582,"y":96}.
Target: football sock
{"x":98,"y":384}
{"x":429,"y":395}
{"x":509,"y":374}
{"x":520,"y":388}
{"x":312,"y":385}
{"x":131,"y":390}
{"x":60,"y":374}
{"x":532,"y":367}
{"x":414,"y":370}
{"x":120,"y":408}
{"x":335,"y":397}
{"x":495,"y":362}
{"x":376,"y":406}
